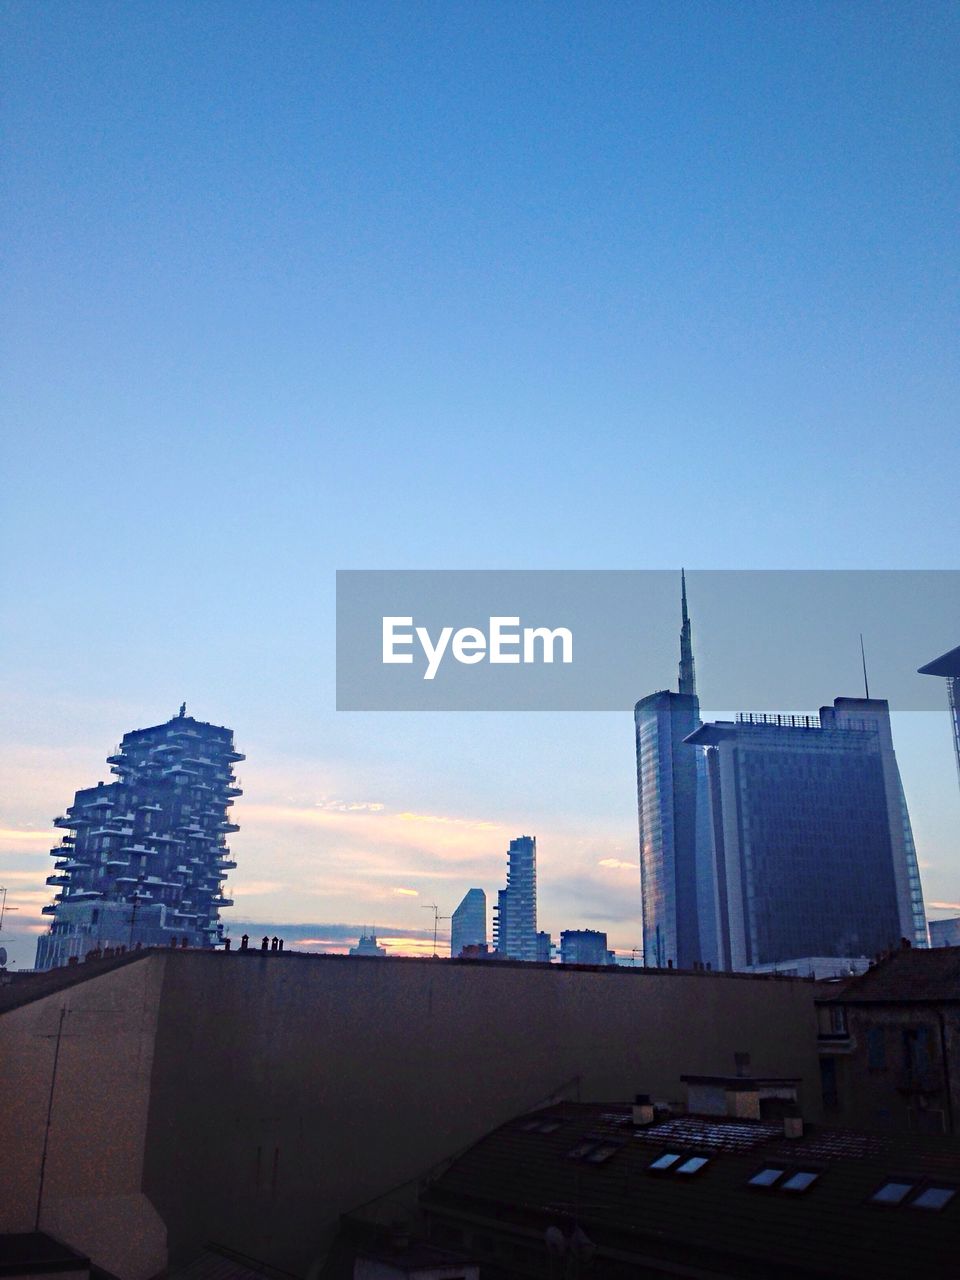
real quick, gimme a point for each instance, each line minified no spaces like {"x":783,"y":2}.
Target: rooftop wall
{"x":289,"y":1089}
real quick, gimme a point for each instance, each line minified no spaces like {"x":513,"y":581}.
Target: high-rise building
{"x":810,"y":836}
{"x":948,"y":666}
{"x":145,"y":856}
{"x":515,"y":925}
{"x":468,"y":924}
{"x":676,"y":878}
{"x":584,"y":946}
{"x":544,"y":947}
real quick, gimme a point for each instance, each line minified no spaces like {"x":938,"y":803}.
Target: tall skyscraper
{"x":145,"y":855}
{"x":676,"y":886}
{"x":948,"y":666}
{"x":468,"y":924}
{"x":810,"y":836}
{"x":515,"y":925}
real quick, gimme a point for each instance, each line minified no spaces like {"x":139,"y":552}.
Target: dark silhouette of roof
{"x":910,"y":975}
{"x":528,"y":1176}
{"x":948,"y":664}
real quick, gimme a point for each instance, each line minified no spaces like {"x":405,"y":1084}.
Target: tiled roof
{"x":525,"y":1176}
{"x":912,"y":974}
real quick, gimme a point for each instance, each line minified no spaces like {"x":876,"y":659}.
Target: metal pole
{"x":46,"y":1134}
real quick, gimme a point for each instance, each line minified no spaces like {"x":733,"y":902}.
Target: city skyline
{"x":451,"y":287}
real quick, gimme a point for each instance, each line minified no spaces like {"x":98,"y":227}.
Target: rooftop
{"x":731,"y":1196}
{"x":912,"y":974}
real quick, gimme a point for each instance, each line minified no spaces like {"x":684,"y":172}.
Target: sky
{"x":305,"y":287}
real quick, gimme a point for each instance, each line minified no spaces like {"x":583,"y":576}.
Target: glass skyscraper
{"x":468,"y":925}
{"x":676,"y":880}
{"x":811,"y":840}
{"x":948,"y":666}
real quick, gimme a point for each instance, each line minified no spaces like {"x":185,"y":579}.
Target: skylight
{"x":603,"y":1151}
{"x":766,"y":1177}
{"x":693,"y":1165}
{"x":933,"y":1198}
{"x":800,"y":1181}
{"x":894,"y":1191}
{"x":665,"y":1161}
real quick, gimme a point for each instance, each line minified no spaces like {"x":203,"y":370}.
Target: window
{"x":876,"y":1049}
{"x":766,"y":1177}
{"x":665,"y":1161}
{"x":893,"y":1192}
{"x":933,"y":1197}
{"x":693,"y":1165}
{"x":800,"y":1181}
{"x":828,"y":1083}
{"x":838,"y":1020}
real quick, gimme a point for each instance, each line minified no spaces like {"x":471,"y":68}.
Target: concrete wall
{"x":98,"y":1099}
{"x":289,"y":1089}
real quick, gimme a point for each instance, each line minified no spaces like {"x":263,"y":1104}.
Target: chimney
{"x":793,"y":1125}
{"x":643,"y":1111}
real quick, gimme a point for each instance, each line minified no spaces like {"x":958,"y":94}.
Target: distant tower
{"x":468,"y":924}
{"x":145,"y":855}
{"x":515,"y":926}
{"x":948,"y":666}
{"x":677,"y":884}
{"x":688,"y":675}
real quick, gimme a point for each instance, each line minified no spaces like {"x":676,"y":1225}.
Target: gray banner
{"x":584,"y":640}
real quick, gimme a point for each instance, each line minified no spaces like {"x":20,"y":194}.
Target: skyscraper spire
{"x":688,"y":678}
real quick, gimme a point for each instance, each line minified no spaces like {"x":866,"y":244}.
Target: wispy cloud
{"x":407,"y":893}
{"x":945,"y":906}
{"x":617,"y":864}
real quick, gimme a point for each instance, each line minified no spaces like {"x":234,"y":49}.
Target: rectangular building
{"x":810,"y":836}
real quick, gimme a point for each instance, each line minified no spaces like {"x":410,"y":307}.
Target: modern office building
{"x":810,"y":835}
{"x":515,"y":925}
{"x":143,"y":857}
{"x":468,"y":924}
{"x":677,"y":890}
{"x":544,"y":947}
{"x":948,"y":666}
{"x":584,"y":946}
{"x":945,"y":933}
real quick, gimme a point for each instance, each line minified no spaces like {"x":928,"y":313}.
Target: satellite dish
{"x":3,"y":957}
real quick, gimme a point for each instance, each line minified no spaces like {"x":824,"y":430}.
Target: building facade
{"x":143,"y":858}
{"x":515,"y":925}
{"x":584,"y":946}
{"x":890,"y":1042}
{"x":468,"y":924}
{"x":810,"y":837}
{"x":948,"y":667}
{"x":678,"y":895}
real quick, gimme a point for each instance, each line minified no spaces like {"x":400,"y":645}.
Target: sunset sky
{"x":297,"y":288}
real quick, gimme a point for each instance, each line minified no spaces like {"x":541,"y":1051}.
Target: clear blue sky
{"x":298,"y":287}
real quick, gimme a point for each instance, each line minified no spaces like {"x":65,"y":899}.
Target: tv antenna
{"x":863,"y":659}
{"x":3,"y":906}
{"x":437,"y":917}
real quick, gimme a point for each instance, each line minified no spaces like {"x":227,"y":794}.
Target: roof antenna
{"x":863,"y":659}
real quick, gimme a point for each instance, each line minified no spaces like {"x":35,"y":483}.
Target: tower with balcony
{"x":143,"y":858}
